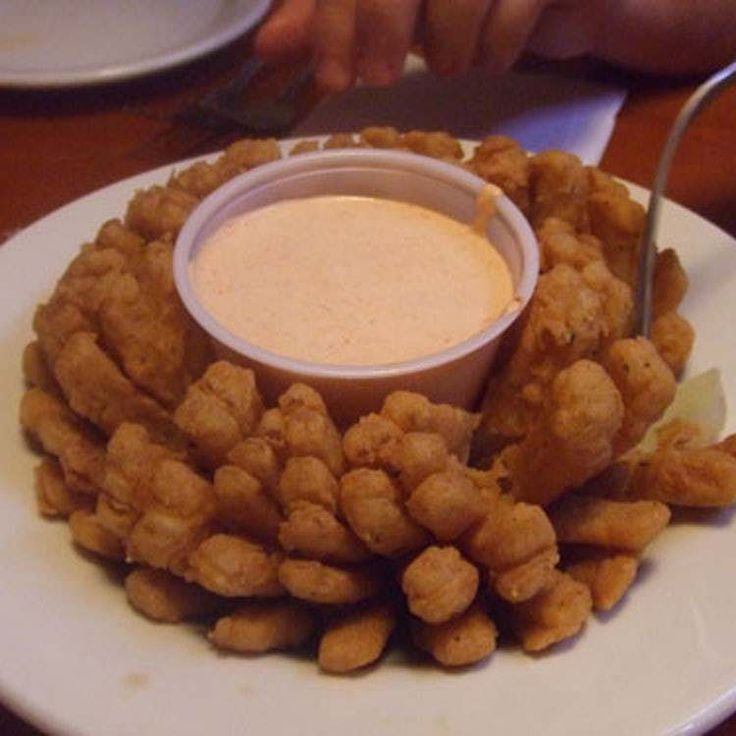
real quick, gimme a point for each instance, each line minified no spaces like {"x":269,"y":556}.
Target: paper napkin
{"x":540,"y":110}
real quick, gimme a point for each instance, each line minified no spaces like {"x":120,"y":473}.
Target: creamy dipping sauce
{"x":350,"y":280}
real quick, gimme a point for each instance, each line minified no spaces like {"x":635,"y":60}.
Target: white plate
{"x":76,"y":660}
{"x":62,"y":43}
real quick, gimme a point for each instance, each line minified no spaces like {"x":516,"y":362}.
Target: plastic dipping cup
{"x":456,"y":375}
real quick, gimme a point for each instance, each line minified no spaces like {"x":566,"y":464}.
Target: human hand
{"x":369,"y":39}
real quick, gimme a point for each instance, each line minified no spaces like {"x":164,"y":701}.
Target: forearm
{"x":668,"y":36}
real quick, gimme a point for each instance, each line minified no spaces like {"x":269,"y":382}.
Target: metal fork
{"x":648,"y":252}
{"x":230,"y":108}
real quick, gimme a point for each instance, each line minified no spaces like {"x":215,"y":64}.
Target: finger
{"x":286,"y":33}
{"x":508,"y":26}
{"x":334,"y":44}
{"x":451,"y":32}
{"x":386,"y":29}
{"x":566,"y":30}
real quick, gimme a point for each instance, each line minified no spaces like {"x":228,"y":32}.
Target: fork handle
{"x":647,"y":253}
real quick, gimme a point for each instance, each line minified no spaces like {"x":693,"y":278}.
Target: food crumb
{"x":442,"y":726}
{"x":135,"y":681}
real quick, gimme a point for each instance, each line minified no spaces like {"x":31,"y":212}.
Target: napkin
{"x":540,"y":110}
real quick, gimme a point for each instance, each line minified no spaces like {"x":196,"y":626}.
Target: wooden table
{"x":58,"y":146}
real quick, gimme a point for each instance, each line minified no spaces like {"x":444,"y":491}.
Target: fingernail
{"x":379,"y":74}
{"x":444,"y":67}
{"x":332,"y":76}
{"x":496,"y":65}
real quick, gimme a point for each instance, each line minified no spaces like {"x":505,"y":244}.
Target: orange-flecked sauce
{"x":350,"y":280}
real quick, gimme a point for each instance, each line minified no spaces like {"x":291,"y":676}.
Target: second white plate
{"x":66,"y":43}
